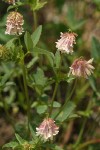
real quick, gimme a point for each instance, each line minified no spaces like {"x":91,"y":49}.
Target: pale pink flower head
{"x":47,"y":129}
{"x":81,"y":68}
{"x":14,"y":24}
{"x":66,"y":42}
{"x":11,"y":1}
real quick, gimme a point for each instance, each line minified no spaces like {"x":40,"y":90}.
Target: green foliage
{"x":32,"y":40}
{"x":65,"y":113}
{"x":95,"y":46}
{"x":74,"y":23}
{"x":12,"y":145}
{"x":36,"y":4}
{"x":57,"y":59}
{"x":36,"y":35}
{"x":49,"y":55}
{"x":28,"y":41}
{"x":41,"y":109}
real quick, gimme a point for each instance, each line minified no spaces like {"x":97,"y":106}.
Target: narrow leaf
{"x":11,"y":145}
{"x":36,"y":35}
{"x":32,"y":132}
{"x":19,"y":139}
{"x":57,"y":59}
{"x":67,"y":110}
{"x":28,"y":41}
{"x":95,"y":48}
{"x":50,"y":55}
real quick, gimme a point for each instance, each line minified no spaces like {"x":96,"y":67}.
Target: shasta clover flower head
{"x":81,"y":68}
{"x":66,"y":42}
{"x":14,"y":23}
{"x":47,"y":129}
{"x":11,"y":1}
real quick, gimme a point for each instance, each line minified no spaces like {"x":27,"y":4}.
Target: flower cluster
{"x":11,"y":1}
{"x":47,"y":129}
{"x":14,"y":23}
{"x":80,"y":67}
{"x":65,"y":44}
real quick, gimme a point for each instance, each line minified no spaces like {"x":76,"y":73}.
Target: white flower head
{"x":14,"y":23}
{"x":47,"y":129}
{"x":66,"y":42}
{"x":81,"y":68}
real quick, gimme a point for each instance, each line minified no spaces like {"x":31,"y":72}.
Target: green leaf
{"x":10,"y":43}
{"x":39,"y":77}
{"x":57,"y":59}
{"x":14,"y":6}
{"x":95,"y":49}
{"x":49,"y":55}
{"x":74,"y":23}
{"x":32,"y":62}
{"x":36,"y":5}
{"x":10,"y":83}
{"x":67,"y":110}
{"x":92,"y":83}
{"x":56,"y":104}
{"x":73,"y":116}
{"x":36,"y":35}
{"x":86,"y":113}
{"x":28,"y":41}
{"x":58,"y":148}
{"x":4,"y":79}
{"x":11,"y":7}
{"x":11,"y":145}
{"x":32,"y":132}
{"x":70,"y":79}
{"x":19,"y":139}
{"x":41,"y":109}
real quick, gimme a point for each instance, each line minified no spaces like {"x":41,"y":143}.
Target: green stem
{"x":80,"y":134}
{"x":82,"y":127}
{"x":35,"y":19}
{"x":88,"y":143}
{"x":53,"y":97}
{"x":66,"y":100}
{"x":26,"y":90}
{"x":26,"y":95}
